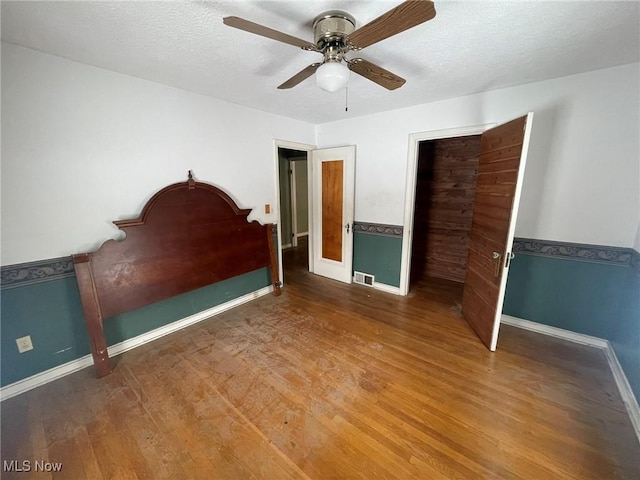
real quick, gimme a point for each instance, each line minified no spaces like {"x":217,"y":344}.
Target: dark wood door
{"x":503,"y":152}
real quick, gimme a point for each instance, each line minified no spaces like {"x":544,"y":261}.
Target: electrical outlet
{"x":24,"y":344}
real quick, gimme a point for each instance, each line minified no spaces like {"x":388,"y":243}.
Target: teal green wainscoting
{"x":597,"y":298}
{"x":379,"y":254}
{"x":50,"y":311}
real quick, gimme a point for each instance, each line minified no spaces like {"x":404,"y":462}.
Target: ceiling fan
{"x":335,"y":35}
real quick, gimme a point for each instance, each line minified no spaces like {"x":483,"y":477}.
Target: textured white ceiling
{"x":467,"y":48}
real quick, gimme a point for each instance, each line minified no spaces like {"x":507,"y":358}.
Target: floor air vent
{"x":363,"y":278}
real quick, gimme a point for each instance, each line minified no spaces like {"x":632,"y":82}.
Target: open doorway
{"x":415,"y":141}
{"x":294,"y":208}
{"x":501,"y":159}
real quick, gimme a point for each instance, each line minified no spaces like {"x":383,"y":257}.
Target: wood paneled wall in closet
{"x":446,"y":183}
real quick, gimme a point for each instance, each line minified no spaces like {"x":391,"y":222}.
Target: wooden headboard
{"x":188,"y":235}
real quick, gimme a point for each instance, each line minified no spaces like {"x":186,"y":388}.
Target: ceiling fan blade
{"x":376,"y":74}
{"x":300,"y":76}
{"x":403,"y":17}
{"x":263,"y":31}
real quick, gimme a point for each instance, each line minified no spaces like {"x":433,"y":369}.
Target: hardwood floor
{"x":333,"y":381}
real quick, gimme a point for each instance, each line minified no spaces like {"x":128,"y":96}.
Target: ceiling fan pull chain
{"x":346,"y":98}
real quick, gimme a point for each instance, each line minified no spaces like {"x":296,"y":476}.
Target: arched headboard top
{"x":189,"y":193}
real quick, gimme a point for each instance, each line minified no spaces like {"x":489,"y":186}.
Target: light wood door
{"x":332,"y":206}
{"x":503,"y":152}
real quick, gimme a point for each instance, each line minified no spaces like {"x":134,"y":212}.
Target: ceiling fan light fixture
{"x":332,"y":76}
{"x":335,"y":35}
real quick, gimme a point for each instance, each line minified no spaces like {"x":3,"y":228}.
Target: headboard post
{"x":92,"y":313}
{"x":274,"y":263}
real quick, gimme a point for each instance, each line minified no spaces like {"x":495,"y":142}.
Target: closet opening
{"x":443,"y":212}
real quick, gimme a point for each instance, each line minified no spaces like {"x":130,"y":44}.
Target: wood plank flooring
{"x":332,"y":381}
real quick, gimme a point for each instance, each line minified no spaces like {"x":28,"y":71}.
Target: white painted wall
{"x":581,"y":183}
{"x":83,"y":146}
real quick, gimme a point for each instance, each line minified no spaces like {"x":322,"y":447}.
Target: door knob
{"x":496,"y":260}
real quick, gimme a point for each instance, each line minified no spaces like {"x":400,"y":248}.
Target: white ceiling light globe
{"x":332,"y":76}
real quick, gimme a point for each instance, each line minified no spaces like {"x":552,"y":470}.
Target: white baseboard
{"x":386,"y":288}
{"x":47,"y":376}
{"x":54,"y":373}
{"x":302,"y":234}
{"x":628,"y":397}
{"x":555,"y":332}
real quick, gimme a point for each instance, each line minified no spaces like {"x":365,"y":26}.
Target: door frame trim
{"x":303,"y":147}
{"x":410,"y":188}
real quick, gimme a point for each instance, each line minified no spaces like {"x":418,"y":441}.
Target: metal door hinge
{"x":507,"y":259}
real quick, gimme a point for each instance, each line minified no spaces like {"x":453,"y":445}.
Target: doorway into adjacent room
{"x":316,"y":196}
{"x":294,"y":208}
